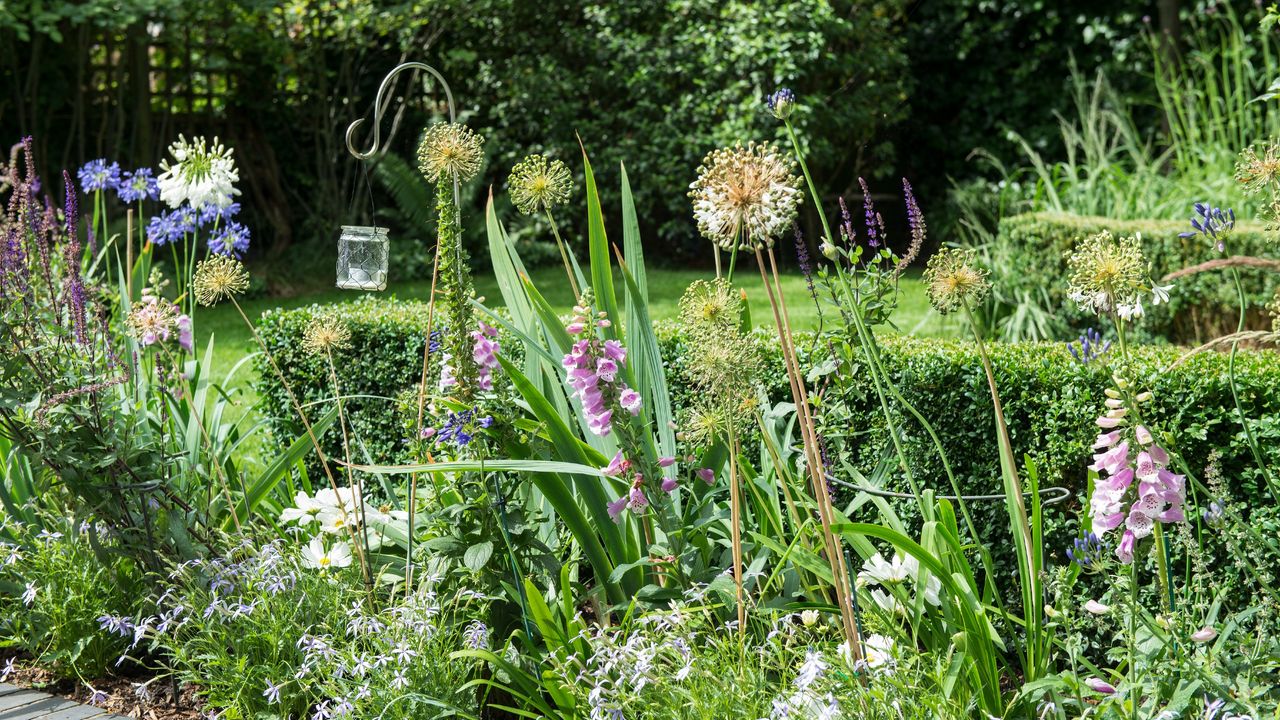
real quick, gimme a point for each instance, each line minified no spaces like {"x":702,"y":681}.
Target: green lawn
{"x":233,"y":341}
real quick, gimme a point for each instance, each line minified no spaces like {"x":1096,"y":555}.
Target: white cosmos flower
{"x":333,"y":521}
{"x":200,"y":174}
{"x":315,"y":556}
{"x":876,"y":571}
{"x":304,"y":512}
{"x":885,"y":601}
{"x":879,"y":651}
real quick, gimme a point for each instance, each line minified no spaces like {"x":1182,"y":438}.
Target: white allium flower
{"x":745,"y":197}
{"x":201,"y":174}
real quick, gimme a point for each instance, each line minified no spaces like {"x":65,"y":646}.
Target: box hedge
{"x":1201,"y":307}
{"x":384,"y":360}
{"x":1050,"y":399}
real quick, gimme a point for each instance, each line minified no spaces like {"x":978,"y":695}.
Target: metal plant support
{"x":364,"y":250}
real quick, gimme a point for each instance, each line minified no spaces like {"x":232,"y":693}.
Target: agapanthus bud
{"x":781,"y":103}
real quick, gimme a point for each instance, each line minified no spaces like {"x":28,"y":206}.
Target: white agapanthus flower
{"x":314,"y":555}
{"x":200,"y":174}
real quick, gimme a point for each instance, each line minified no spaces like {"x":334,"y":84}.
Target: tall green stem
{"x":1235,"y":392}
{"x":564,"y":256}
{"x":1024,"y":538}
{"x":1131,"y":402}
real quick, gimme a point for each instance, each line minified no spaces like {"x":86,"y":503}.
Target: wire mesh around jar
{"x":362,"y":258}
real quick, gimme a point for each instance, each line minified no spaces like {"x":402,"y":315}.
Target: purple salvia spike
{"x":873,"y":239}
{"x":846,"y":223}
{"x":69,"y":210}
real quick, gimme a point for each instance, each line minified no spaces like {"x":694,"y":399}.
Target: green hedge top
{"x":1051,"y":399}
{"x":385,"y":359}
{"x":1201,"y":307}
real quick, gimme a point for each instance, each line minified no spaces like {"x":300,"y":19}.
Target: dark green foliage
{"x":661,"y":83}
{"x":385,"y":359}
{"x":1201,"y":307}
{"x":986,"y":67}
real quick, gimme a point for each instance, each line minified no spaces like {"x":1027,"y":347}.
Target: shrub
{"x":1050,"y":399}
{"x":385,"y":358}
{"x":1201,"y":306}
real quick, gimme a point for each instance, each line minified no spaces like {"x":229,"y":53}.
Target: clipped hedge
{"x":1201,"y":307}
{"x":1050,"y":400}
{"x":385,"y":359}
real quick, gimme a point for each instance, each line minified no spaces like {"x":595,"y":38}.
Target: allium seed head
{"x":1106,"y":273}
{"x":538,"y":184}
{"x":450,"y":150}
{"x":745,"y":196}
{"x":219,"y":278}
{"x":324,"y":334}
{"x":952,"y":279}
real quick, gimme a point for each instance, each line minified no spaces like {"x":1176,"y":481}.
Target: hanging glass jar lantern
{"x":362,"y":258}
{"x":363,"y":250}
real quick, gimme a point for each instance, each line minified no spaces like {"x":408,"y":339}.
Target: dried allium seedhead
{"x":1107,"y":274}
{"x":325,"y":334}
{"x":953,"y":279}
{"x":152,"y":320}
{"x":219,"y":278}
{"x":539,"y":184}
{"x":745,"y":196}
{"x":450,"y":151}
{"x":724,"y":364}
{"x":1258,"y":169}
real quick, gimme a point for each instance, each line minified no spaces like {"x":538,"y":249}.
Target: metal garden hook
{"x":381,"y":102}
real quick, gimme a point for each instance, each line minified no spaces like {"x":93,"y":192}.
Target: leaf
{"x":477,"y":556}
{"x":279,"y":468}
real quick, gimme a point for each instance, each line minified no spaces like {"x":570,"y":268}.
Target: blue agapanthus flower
{"x":460,"y":428}
{"x":210,"y":213}
{"x":137,"y":186}
{"x":186,"y":219}
{"x":1211,"y":222}
{"x":1089,"y":347}
{"x":232,"y":239}
{"x":163,"y":229}
{"x":97,"y":175}
{"x":781,"y":103}
{"x":1088,"y":553}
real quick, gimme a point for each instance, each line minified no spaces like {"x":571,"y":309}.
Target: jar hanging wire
{"x":364,"y":250}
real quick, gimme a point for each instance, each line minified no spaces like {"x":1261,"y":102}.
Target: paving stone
{"x":19,"y":699}
{"x":22,"y":704}
{"x":41,"y":708}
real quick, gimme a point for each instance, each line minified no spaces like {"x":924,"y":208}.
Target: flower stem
{"x":315,"y":442}
{"x":564,"y":255}
{"x":1235,"y":392}
{"x":353,"y":481}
